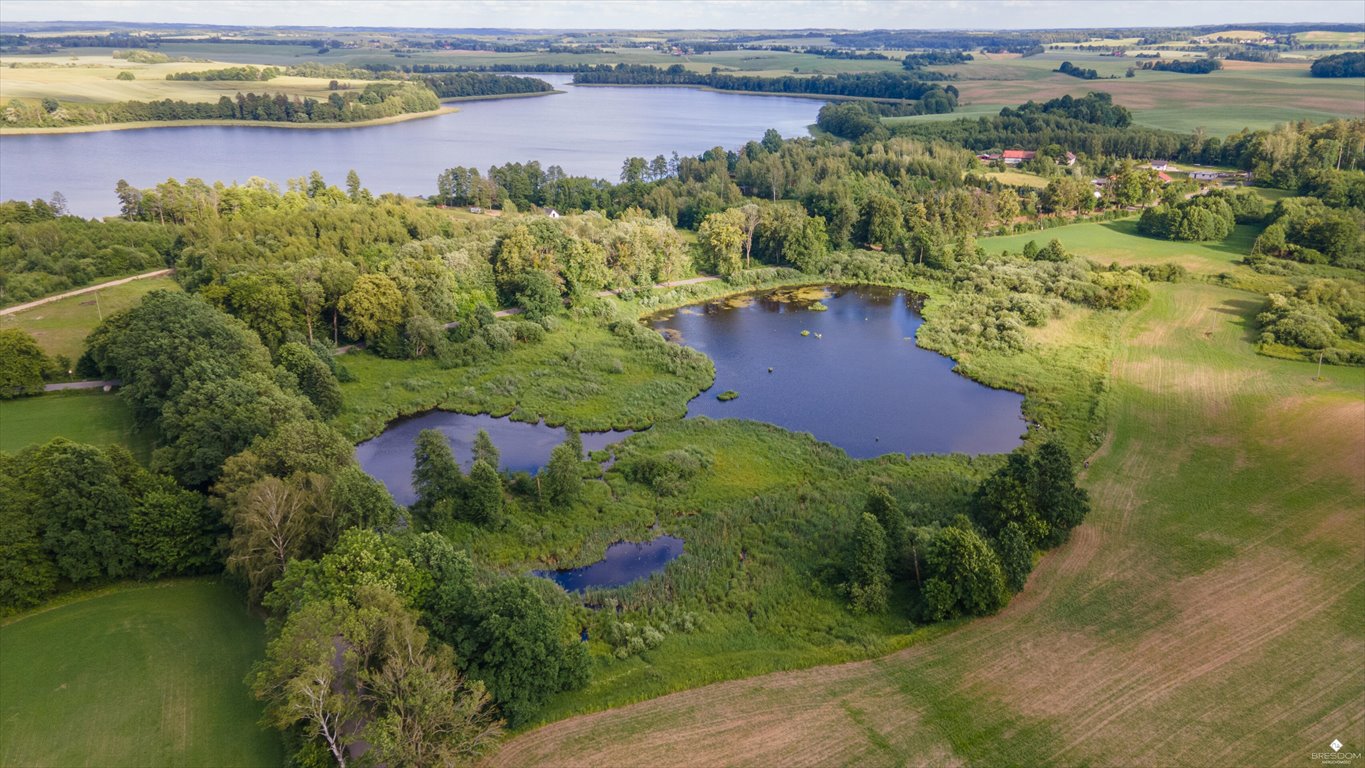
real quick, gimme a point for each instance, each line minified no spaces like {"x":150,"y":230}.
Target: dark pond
{"x":522,"y":447}
{"x":587,"y":131}
{"x":857,"y":381}
{"x":624,"y":562}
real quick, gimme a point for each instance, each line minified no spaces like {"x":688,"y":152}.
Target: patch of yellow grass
{"x":94,"y":79}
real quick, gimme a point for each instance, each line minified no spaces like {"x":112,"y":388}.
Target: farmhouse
{"x":1017,"y":156}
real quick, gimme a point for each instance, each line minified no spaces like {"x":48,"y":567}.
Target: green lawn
{"x":143,"y":676}
{"x":84,"y":416}
{"x":1109,"y":241}
{"x":61,"y":327}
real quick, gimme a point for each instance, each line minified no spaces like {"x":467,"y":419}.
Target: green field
{"x":1242,"y":95}
{"x":93,"y":78}
{"x":1339,"y":38}
{"x":60,"y":327}
{"x":1119,"y":241}
{"x":143,"y":675}
{"x":85,"y":416}
{"x":1205,"y":613}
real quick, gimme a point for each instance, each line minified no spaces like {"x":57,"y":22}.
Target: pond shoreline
{"x":842,"y":373}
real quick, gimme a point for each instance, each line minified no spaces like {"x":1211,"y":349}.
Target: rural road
{"x":81,"y":385}
{"x":81,"y":291}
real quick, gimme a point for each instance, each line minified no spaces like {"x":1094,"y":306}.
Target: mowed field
{"x":86,"y":416}
{"x":60,"y":327}
{"x":1242,"y":95}
{"x":1207,"y":612}
{"x":1118,"y":241}
{"x":144,"y":675}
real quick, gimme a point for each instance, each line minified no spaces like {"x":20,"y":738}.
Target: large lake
{"x":857,"y":381}
{"x":589,"y":131}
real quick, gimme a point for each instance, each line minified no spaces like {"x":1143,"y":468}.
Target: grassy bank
{"x":133,"y":126}
{"x":143,"y":675}
{"x":581,"y":374}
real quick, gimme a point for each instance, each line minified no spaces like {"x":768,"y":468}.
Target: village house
{"x":1205,"y":175}
{"x":1017,"y":156}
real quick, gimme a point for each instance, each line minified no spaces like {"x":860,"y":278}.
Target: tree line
{"x":44,"y":251}
{"x":464,"y":84}
{"x":1339,"y":65}
{"x":871,"y":85}
{"x":974,"y":564}
{"x":1067,"y":68}
{"x":375,"y":101}
{"x":245,"y":73}
{"x":1184,"y":66}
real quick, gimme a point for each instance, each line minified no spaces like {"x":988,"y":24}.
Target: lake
{"x":857,"y":381}
{"x":522,"y":447}
{"x":589,"y":131}
{"x":624,"y":562}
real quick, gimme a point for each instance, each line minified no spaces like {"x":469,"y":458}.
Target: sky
{"x":692,"y":14}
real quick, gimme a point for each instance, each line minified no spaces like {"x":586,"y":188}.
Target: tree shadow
{"x":1245,"y":311}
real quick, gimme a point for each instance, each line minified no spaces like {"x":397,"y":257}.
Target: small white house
{"x":552,"y":213}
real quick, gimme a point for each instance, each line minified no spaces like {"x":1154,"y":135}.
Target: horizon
{"x":653,"y":15}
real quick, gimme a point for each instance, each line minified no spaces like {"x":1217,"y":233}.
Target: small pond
{"x":625,"y":561}
{"x":522,"y":447}
{"x":857,"y":380}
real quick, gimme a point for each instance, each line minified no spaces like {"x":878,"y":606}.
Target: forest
{"x":936,"y":98}
{"x":1339,"y":65}
{"x":1191,"y":67}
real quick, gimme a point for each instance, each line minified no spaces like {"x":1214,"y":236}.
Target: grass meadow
{"x":1118,"y":241}
{"x":135,"y":676}
{"x":581,"y":374}
{"x":86,"y":416}
{"x":60,"y":327}
{"x":94,"y":79}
